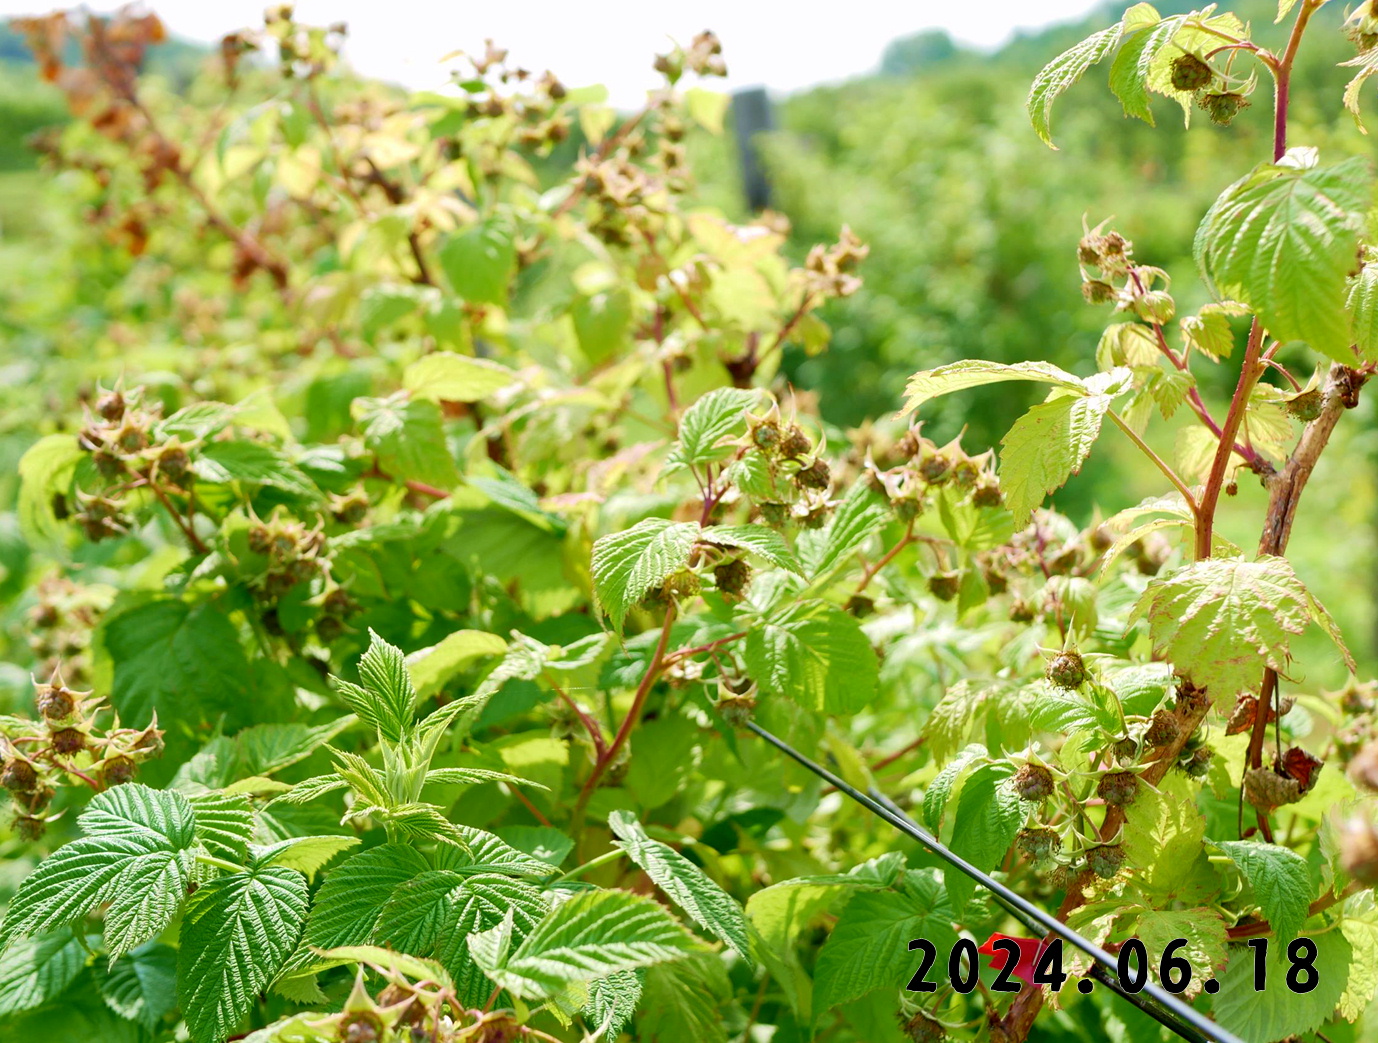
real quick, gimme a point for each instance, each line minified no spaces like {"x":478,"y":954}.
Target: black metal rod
{"x":1184,"y":1018}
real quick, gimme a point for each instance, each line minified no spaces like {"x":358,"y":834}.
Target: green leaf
{"x":601,"y":322}
{"x":628,"y":565}
{"x":447,"y":377}
{"x":1360,"y":928}
{"x":224,"y":823}
{"x":1062,"y":72}
{"x":179,"y":661}
{"x":37,"y":970}
{"x":479,"y":262}
{"x":1045,"y":447}
{"x":1367,"y":64}
{"x":141,"y":986}
{"x":940,"y":790}
{"x":1363,"y":311}
{"x":45,"y":473}
{"x":1164,"y":834}
{"x":1222,"y":620}
{"x":688,"y":886}
{"x":431,"y":668}
{"x":353,"y":894}
{"x":408,"y":437}
{"x":862,"y":513}
{"x":305,"y":854}
{"x":237,"y":932}
{"x":815,"y":654}
{"x":1277,"y":1012}
{"x":763,"y":542}
{"x":970,"y":373}
{"x":868,"y":949}
{"x":144,"y":899}
{"x":254,"y":463}
{"x":988,"y":816}
{"x":685,"y":1000}
{"x":1209,"y":330}
{"x":1280,"y":880}
{"x":1143,"y":48}
{"x":710,"y":426}
{"x":592,"y":935}
{"x":1283,"y":240}
{"x":166,"y":818}
{"x":612,"y":1002}
{"x":434,"y":914}
{"x":1204,"y":931}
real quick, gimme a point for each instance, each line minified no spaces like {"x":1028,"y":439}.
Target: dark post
{"x":751,"y":115}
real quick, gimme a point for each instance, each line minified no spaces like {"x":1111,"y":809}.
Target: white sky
{"x":784,"y":46}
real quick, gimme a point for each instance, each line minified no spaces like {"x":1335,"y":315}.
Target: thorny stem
{"x":601,"y":765}
{"x":1253,"y":930}
{"x":590,"y":725}
{"x":197,"y":544}
{"x":873,"y":570}
{"x":1210,"y":496}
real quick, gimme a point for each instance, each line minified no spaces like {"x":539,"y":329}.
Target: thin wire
{"x":1183,"y":1017}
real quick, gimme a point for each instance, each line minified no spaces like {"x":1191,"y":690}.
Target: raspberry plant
{"x":447,"y":520}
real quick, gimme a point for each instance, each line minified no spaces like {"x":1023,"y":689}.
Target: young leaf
{"x":757,"y":539}
{"x":1045,"y":447}
{"x":815,"y":654}
{"x":1280,"y":880}
{"x":1283,"y":239}
{"x":686,"y":884}
{"x":989,"y":814}
{"x":1062,"y":72}
{"x":1204,"y":931}
{"x":1146,"y":44}
{"x":627,"y":565}
{"x":705,"y":426}
{"x":970,"y":373}
{"x":391,"y":698}
{"x":1222,"y":620}
{"x":237,"y":932}
{"x":869,"y":947}
{"x":447,"y":377}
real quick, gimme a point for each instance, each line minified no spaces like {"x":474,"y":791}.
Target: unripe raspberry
{"x":1359,"y":849}
{"x":1305,"y":406}
{"x":1223,"y":108}
{"x":683,"y":584}
{"x":1118,"y":788}
{"x":1162,"y":730}
{"x":860,"y":606}
{"x":1067,"y":671}
{"x":815,"y":476}
{"x":766,"y":435}
{"x":30,"y":827}
{"x":987,"y":494}
{"x":1022,"y":611}
{"x":966,"y":472}
{"x":1126,"y":750}
{"x":795,"y":444}
{"x":117,"y":771}
{"x":732,"y":577}
{"x":907,"y":508}
{"x":1039,"y":843}
{"x":35,"y":800}
{"x":18,"y":776}
{"x":922,"y":1029}
{"x":945,"y":585}
{"x":110,"y":405}
{"x":174,"y":463}
{"x":1097,"y":291}
{"x":349,"y":510}
{"x":1105,"y":861}
{"x":1033,"y":782}
{"x":1190,"y":73}
{"x":935,"y":469}
{"x":68,"y":741}
{"x":774,"y":514}
{"x":736,"y":710}
{"x":1199,"y":762}
{"x":361,"y":1027}
{"x":816,"y":517}
{"x":55,"y":702}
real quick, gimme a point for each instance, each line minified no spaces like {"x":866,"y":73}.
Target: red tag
{"x":1029,"y":949}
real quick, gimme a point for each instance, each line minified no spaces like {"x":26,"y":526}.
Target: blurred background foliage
{"x":972,"y":224}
